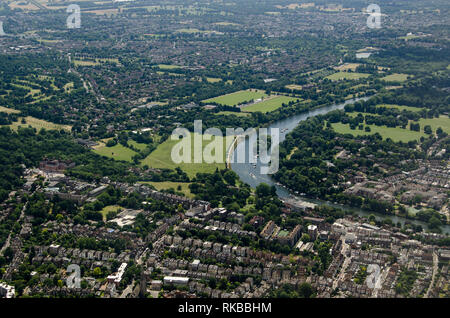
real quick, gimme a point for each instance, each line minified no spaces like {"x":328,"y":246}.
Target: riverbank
{"x":250,"y":173}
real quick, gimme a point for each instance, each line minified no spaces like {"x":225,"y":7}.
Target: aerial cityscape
{"x":224,"y":149}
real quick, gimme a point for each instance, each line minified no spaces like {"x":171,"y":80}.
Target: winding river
{"x":250,"y":173}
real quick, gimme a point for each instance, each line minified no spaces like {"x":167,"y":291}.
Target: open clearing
{"x":137,"y":145}
{"x":110,"y":208}
{"x":168,"y":67}
{"x":237,"y":98}
{"x":161,"y":157}
{"x":347,"y":66}
{"x":9,"y":110}
{"x":226,"y":23}
{"x":396,"y":134}
{"x":270,"y":105}
{"x":294,"y":87}
{"x":213,"y":80}
{"x":442,"y":121}
{"x":117,"y":152}
{"x":166,"y":185}
{"x":346,"y":76}
{"x":396,"y":77}
{"x":94,"y":61}
{"x":400,"y":107}
{"x":38,"y":124}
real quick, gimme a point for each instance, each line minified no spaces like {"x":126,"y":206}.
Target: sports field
{"x":237,"y":98}
{"x":161,"y":157}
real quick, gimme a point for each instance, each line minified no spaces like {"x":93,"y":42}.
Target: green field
{"x":434,"y":123}
{"x":346,"y":76}
{"x":442,"y":121}
{"x":94,"y":61}
{"x":294,"y":87}
{"x":213,"y":79}
{"x":38,"y":124}
{"x":9,"y":110}
{"x":237,"y":98}
{"x":168,"y":67}
{"x":161,"y":158}
{"x":193,"y":31}
{"x":396,"y":134}
{"x":396,"y":77}
{"x":117,"y":152}
{"x":166,"y":185}
{"x":137,"y":145}
{"x":109,"y":208}
{"x":270,"y":105}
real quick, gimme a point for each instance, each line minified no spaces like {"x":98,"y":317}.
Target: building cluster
{"x":382,"y":258}
{"x":210,"y":252}
{"x":273,"y":232}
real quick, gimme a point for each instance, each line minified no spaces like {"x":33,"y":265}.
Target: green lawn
{"x":108,"y":209}
{"x":213,"y":79}
{"x":346,"y":76}
{"x":161,"y":157}
{"x":136,"y":144}
{"x":168,"y":67}
{"x":396,"y":134}
{"x":442,"y":121}
{"x":38,"y":124}
{"x":396,"y":77}
{"x":117,"y":152}
{"x":270,"y":104}
{"x":166,"y":185}
{"x":9,"y":110}
{"x":237,"y":98}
